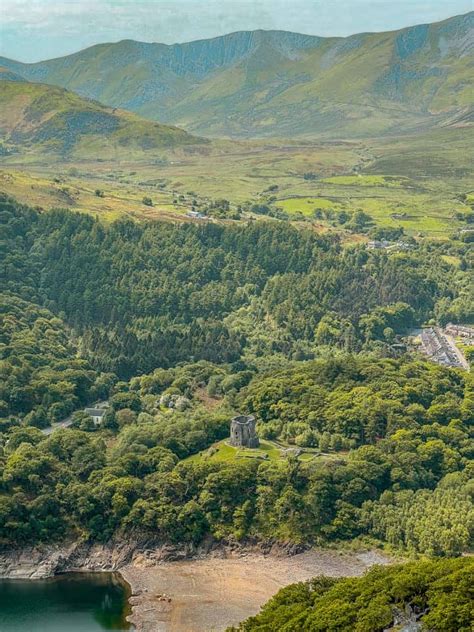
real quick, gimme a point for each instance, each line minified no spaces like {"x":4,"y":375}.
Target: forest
{"x":437,"y":593}
{"x":137,"y":296}
{"x":262,"y":318}
{"x":411,"y":486}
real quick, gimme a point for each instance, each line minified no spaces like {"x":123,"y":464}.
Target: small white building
{"x":196,"y":215}
{"x":97,"y":414}
{"x":377,"y":244}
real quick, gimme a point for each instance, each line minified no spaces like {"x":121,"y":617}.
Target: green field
{"x":268,"y":451}
{"x":421,"y":206}
{"x":362,"y":180}
{"x":76,"y":190}
{"x":222,"y":451}
{"x":307,"y":206}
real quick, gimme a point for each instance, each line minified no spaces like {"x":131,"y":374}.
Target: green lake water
{"x":74,"y":602}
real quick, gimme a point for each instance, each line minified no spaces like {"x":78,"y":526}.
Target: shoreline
{"x":172,"y":589}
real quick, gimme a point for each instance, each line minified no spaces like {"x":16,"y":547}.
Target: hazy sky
{"x":31,"y":30}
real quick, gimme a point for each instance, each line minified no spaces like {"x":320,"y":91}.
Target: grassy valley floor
{"x":420,"y":183}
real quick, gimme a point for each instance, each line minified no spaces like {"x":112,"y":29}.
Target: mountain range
{"x":276,"y":83}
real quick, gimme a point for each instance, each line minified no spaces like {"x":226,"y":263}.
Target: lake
{"x":74,"y":602}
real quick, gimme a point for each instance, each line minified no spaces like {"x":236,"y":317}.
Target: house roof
{"x":95,"y":412}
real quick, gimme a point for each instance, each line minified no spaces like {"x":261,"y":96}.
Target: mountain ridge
{"x":176,"y":45}
{"x":267,"y":83}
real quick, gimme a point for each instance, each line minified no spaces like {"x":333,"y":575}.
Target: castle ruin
{"x":242,"y":432}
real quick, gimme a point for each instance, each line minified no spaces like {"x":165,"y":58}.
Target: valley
{"x":216,"y":258}
{"x":316,"y":183}
{"x":400,"y":150}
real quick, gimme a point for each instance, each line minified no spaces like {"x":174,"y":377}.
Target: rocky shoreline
{"x":47,"y":560}
{"x":188,"y":589}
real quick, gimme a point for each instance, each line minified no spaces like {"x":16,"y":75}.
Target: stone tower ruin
{"x":242,"y":432}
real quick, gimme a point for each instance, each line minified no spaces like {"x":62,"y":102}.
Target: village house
{"x":97,"y":414}
{"x":460,"y":330}
{"x":377,"y":244}
{"x":196,"y":215}
{"x":439,"y":348}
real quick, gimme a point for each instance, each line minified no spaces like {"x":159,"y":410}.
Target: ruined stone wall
{"x":242,"y":432}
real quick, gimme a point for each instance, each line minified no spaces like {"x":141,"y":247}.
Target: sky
{"x":32,"y":30}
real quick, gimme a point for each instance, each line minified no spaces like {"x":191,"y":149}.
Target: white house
{"x":97,"y":414}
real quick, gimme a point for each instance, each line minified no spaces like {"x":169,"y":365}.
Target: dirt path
{"x":207,"y":595}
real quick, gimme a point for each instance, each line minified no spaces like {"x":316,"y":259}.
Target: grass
{"x":413,"y":182}
{"x":307,"y":206}
{"x":78,"y":193}
{"x":426,"y":208}
{"x":451,"y":260}
{"x":55,"y":121}
{"x":222,"y":452}
{"x":414,"y":213}
{"x":362,"y":180}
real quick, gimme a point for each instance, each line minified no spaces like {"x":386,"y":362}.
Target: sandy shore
{"x":207,"y":595}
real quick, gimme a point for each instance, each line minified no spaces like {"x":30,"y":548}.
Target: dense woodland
{"x":439,"y":593}
{"x":154,"y":294}
{"x":399,"y":429}
{"x":260,"y":318}
{"x":42,"y":377}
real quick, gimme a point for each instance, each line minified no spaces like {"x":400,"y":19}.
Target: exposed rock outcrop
{"x":47,"y":560}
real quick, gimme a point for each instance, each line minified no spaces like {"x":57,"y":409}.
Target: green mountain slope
{"x":9,"y":75}
{"x":37,"y":118}
{"x":264,"y":83}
